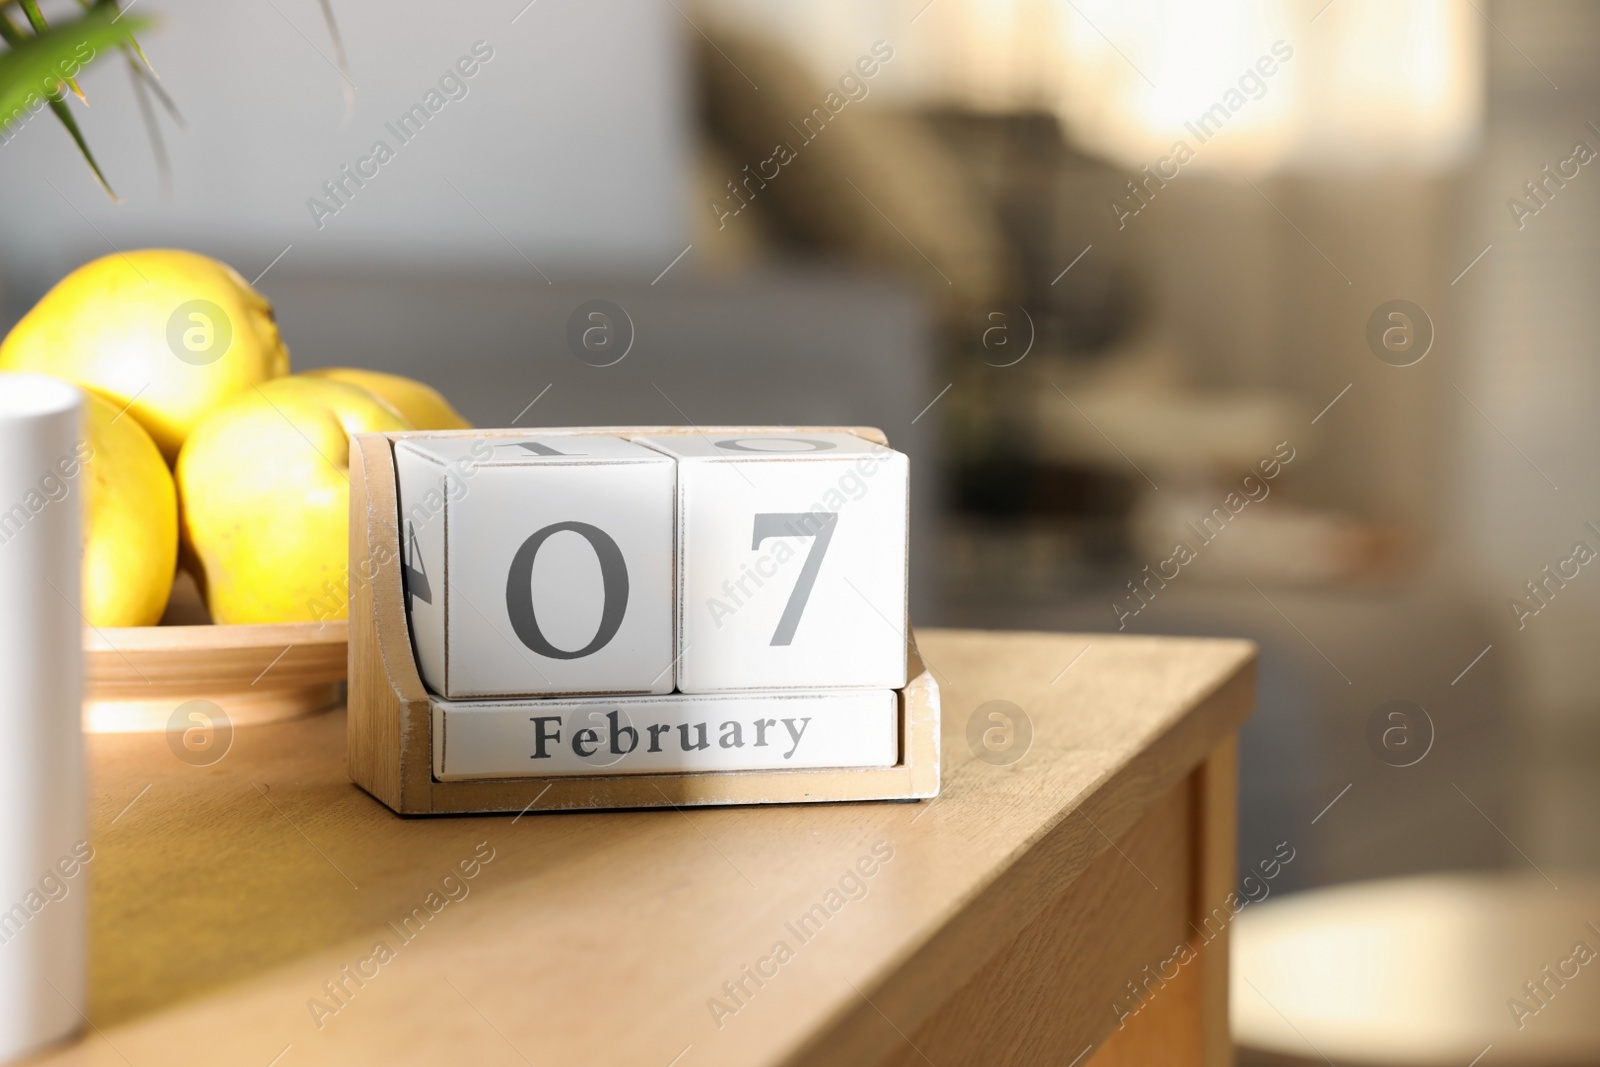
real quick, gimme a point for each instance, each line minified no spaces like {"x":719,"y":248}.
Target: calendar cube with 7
{"x":791,"y":561}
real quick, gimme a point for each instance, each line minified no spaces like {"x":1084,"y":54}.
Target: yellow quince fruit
{"x":130,"y":523}
{"x":419,"y":404}
{"x":264,"y":489}
{"x":173,"y":334}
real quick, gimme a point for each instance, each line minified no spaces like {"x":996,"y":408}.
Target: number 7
{"x":814,"y":524}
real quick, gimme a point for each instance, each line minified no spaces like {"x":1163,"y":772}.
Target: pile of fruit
{"x":203,"y":451}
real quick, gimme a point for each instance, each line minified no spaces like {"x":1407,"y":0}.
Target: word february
{"x":665,"y":734}
{"x":341,"y":189}
{"x":624,"y":740}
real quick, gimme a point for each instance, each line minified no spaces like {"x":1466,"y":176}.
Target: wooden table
{"x":998,"y":924}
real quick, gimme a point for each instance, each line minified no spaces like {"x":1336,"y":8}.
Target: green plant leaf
{"x":8,"y":30}
{"x":35,"y":67}
{"x":147,"y":77}
{"x":344,"y":62}
{"x":158,"y":146}
{"x":30,"y":8}
{"x":152,"y":80}
{"x":145,"y":84}
{"x":58,"y":104}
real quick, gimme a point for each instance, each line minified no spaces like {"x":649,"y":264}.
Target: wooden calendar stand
{"x":391,"y":715}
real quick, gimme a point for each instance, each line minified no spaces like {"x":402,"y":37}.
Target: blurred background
{"x":1305,"y":288}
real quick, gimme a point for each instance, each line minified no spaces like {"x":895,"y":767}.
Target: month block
{"x":665,"y":734}
{"x":791,"y":561}
{"x":538,"y":566}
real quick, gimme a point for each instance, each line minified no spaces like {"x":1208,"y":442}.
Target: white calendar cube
{"x":538,"y":566}
{"x":791,"y":561}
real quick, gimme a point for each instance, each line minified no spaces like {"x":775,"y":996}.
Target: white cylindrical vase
{"x":43,"y":833}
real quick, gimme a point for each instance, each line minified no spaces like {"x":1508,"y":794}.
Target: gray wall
{"x":573,"y":141}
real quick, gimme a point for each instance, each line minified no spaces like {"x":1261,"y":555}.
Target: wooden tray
{"x":135,"y":677}
{"x":391,"y":719}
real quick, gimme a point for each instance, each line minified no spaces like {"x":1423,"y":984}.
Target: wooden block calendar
{"x":732,"y":626}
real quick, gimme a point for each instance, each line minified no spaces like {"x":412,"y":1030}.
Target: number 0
{"x":613,"y":577}
{"x":815,"y":524}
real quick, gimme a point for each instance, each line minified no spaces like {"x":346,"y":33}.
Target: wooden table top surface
{"x":265,"y":907}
